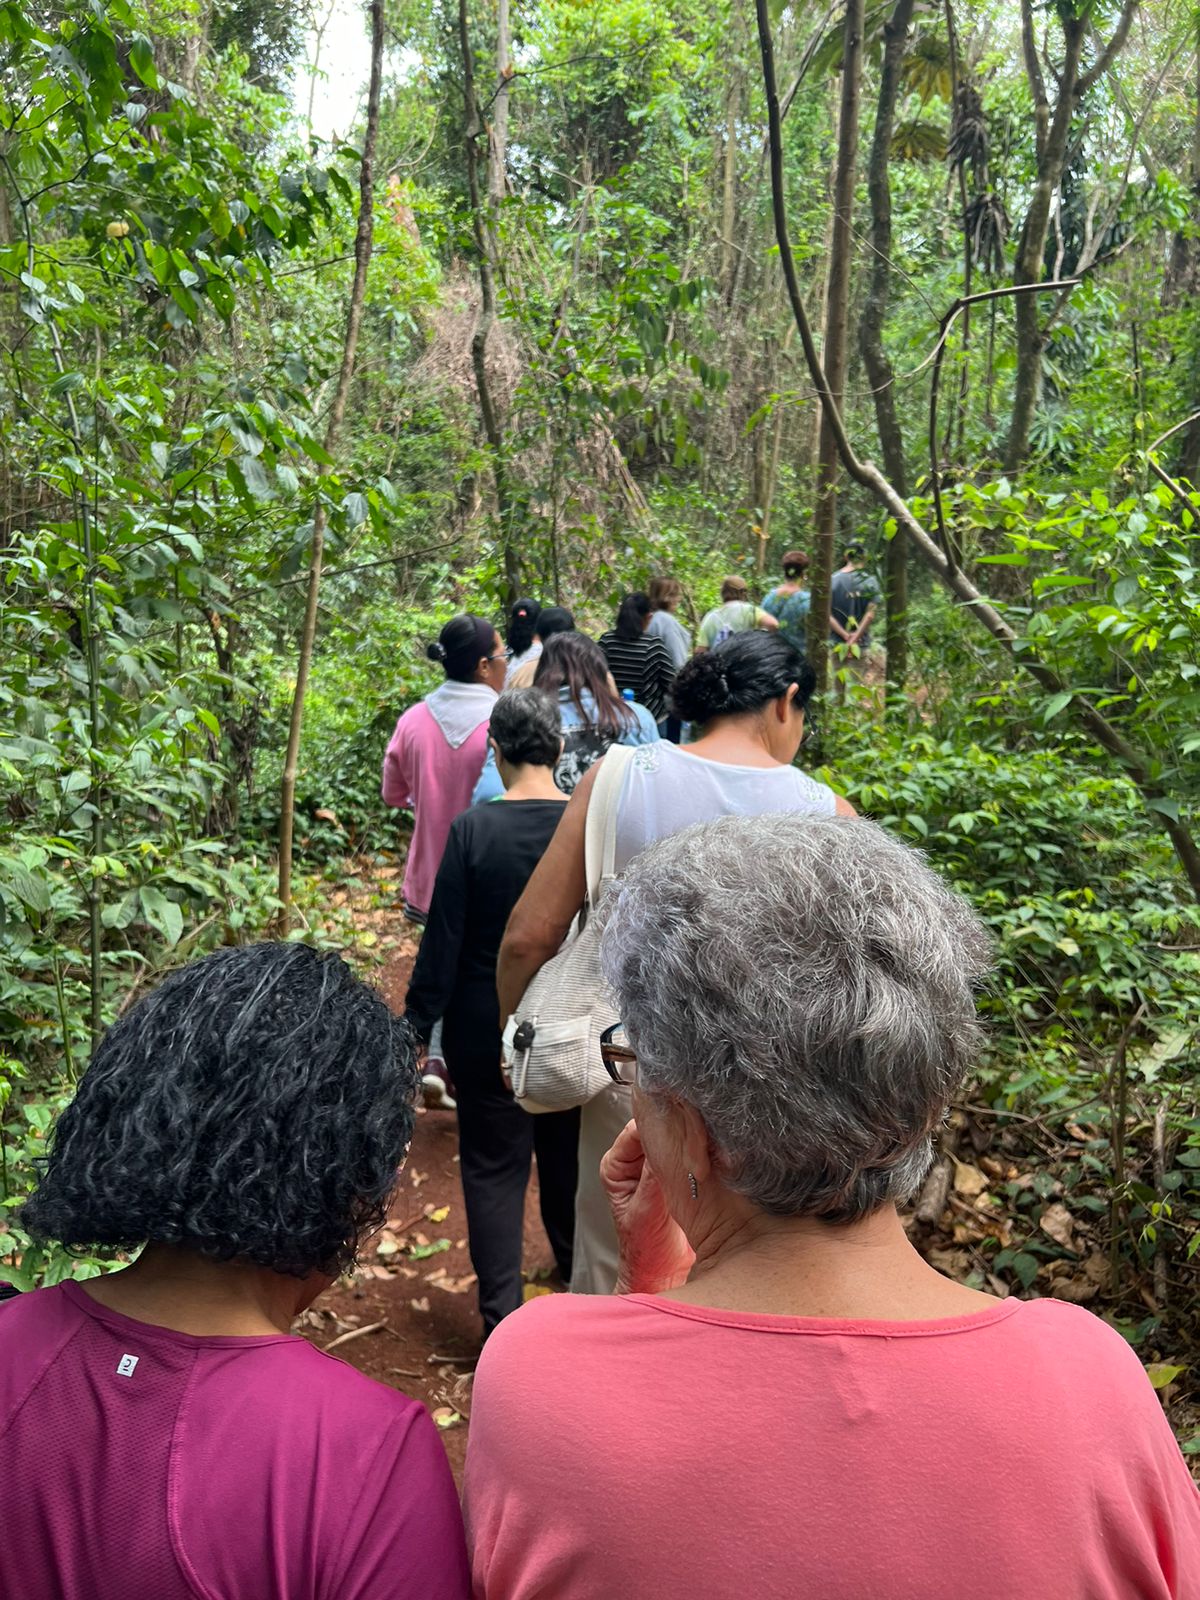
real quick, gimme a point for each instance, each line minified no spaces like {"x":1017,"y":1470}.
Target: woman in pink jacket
{"x":438,"y":749}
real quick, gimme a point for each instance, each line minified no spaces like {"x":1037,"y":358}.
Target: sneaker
{"x":437,"y":1096}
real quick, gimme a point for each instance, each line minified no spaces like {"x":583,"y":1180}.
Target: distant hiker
{"x":523,"y":643}
{"x":736,"y":614}
{"x":789,"y":601}
{"x":854,"y":596}
{"x":490,"y":854}
{"x":748,"y":696}
{"x":636,"y":659}
{"x":785,"y":1399}
{"x":573,"y":671}
{"x":438,"y":748}
{"x":665,"y":594}
{"x":165,"y":1433}
{"x":551,"y":620}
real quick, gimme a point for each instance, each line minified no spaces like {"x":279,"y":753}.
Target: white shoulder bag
{"x":565,"y":1009}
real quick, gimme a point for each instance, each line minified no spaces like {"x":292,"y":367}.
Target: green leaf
{"x":33,"y":892}
{"x":1165,"y":806}
{"x":161,"y":913}
{"x":141,"y":59}
{"x":67,"y":384}
{"x":1161,"y":1373}
{"x":1056,"y":703}
{"x":255,"y":476}
{"x":419,"y":1252}
{"x":355,"y":509}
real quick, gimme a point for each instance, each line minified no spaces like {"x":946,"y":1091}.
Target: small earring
{"x":694,"y":1185}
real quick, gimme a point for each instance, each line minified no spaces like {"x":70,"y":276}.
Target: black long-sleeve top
{"x":490,"y":855}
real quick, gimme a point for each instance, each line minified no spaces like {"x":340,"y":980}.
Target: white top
{"x":666,"y":789}
{"x":519,"y":660}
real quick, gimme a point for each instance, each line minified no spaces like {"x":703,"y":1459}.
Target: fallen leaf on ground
{"x":439,"y":1215}
{"x":423,"y":1248}
{"x":442,"y":1280}
{"x":968,"y":1180}
{"x":387,"y":1244}
{"x":445,"y":1417}
{"x":1161,"y":1373}
{"x":1059,"y":1225}
{"x":532,"y":1290}
{"x":420,"y":1305}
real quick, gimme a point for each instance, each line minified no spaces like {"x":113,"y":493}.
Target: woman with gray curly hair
{"x":783,"y":1398}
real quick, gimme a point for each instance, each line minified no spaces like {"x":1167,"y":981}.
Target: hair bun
{"x":436,"y":651}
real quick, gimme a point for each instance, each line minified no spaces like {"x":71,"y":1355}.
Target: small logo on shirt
{"x":126,"y":1365}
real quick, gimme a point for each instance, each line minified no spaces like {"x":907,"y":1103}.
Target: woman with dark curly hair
{"x":244,"y":1124}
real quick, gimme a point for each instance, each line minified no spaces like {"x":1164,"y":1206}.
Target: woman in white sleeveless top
{"x":748,"y":695}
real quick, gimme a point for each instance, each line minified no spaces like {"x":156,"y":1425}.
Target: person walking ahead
{"x":491,"y":851}
{"x":438,"y":747}
{"x":789,"y":601}
{"x":636,"y":659}
{"x":854,"y":596}
{"x":736,"y":614}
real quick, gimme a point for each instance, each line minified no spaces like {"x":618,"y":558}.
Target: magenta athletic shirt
{"x":638,"y":1447}
{"x":142,"y":1464}
{"x":422,"y":773}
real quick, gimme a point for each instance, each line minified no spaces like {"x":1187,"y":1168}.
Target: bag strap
{"x":600,"y":829}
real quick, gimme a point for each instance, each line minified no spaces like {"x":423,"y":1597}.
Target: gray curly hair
{"x":807,"y":984}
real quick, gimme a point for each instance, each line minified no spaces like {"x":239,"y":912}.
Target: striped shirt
{"x":643,"y":665}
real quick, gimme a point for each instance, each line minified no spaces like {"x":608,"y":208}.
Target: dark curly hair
{"x":257,"y":1105}
{"x":741,"y":675}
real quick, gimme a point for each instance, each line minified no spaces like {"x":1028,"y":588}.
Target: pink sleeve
{"x":404,"y":1537}
{"x":397,"y":778}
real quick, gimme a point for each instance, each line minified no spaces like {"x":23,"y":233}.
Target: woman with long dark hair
{"x":573,"y":671}
{"x":244,"y":1124}
{"x":551,"y":620}
{"x":523,"y":643}
{"x":637,"y":659}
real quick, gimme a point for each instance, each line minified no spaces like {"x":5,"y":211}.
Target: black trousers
{"x":496,"y":1144}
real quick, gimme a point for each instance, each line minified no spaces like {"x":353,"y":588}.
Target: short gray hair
{"x":527,"y":726}
{"x":807,"y":984}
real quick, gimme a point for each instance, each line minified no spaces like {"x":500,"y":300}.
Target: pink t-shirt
{"x":640,"y":1447}
{"x":424,"y":774}
{"x":141,"y":1464}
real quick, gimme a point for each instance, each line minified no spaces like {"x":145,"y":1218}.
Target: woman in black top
{"x":639,"y":660}
{"x":490,"y":854}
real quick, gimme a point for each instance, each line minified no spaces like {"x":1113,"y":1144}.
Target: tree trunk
{"x":1139,"y":766}
{"x":729,"y":193}
{"x":337,"y":412}
{"x":1183,"y":283}
{"x":870,"y":331}
{"x":1053,"y":129}
{"x":483,"y":229}
{"x":837,"y":317}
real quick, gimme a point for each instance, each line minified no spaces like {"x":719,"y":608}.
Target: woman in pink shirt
{"x":439,"y":746}
{"x":783,"y":1400}
{"x":163,"y":1433}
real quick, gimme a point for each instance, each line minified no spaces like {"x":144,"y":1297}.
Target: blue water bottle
{"x":627,"y":694}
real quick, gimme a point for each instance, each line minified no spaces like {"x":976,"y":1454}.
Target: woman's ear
{"x":786,"y":704}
